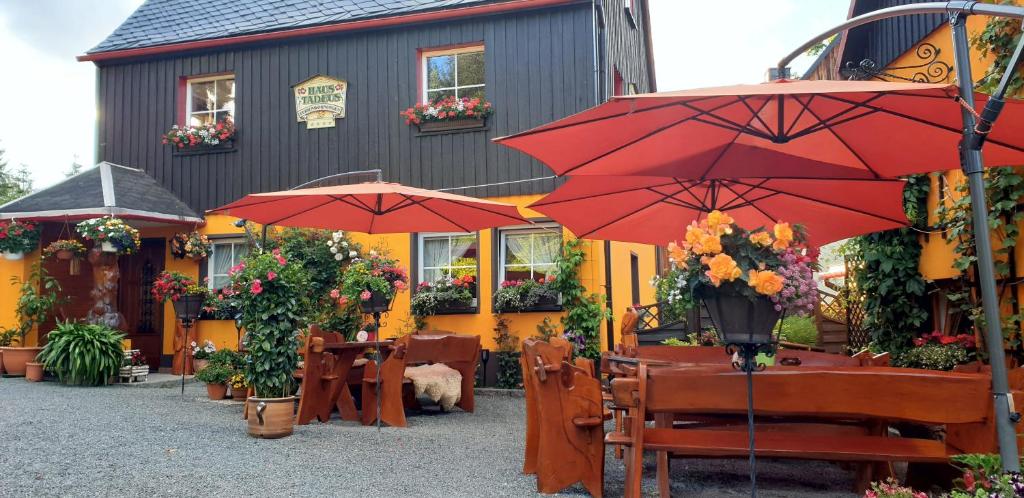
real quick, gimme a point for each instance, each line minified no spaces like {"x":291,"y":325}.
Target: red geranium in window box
{"x":449,"y":113}
{"x":208,"y":135}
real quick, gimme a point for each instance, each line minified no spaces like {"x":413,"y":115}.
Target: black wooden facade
{"x":539,"y":66}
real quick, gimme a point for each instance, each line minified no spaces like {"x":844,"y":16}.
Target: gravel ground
{"x":120,"y":441}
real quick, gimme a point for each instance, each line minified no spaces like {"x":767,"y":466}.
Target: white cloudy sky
{"x":47,"y":98}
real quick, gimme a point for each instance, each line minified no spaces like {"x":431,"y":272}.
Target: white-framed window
{"x":455,"y":72}
{"x":210,"y":99}
{"x":225,"y":254}
{"x":443,"y":255}
{"x":529,"y":253}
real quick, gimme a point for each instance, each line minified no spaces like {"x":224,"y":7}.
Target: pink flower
{"x":271,"y":276}
{"x":280,"y":260}
{"x":365,"y":295}
{"x":335,"y":294}
{"x":257,"y":287}
{"x":343,"y":301}
{"x":399,"y":285}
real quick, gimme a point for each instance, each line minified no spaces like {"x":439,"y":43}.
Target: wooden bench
{"x":871,"y":395}
{"x":565,"y":419}
{"x":459,"y":352}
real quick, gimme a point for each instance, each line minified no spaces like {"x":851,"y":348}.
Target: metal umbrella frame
{"x":974,"y":134}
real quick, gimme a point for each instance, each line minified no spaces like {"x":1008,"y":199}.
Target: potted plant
{"x":83,"y":354}
{"x":272,"y":294}
{"x":937,"y":351}
{"x":39,"y":295}
{"x":201,"y":355}
{"x":449,"y":114}
{"x":6,"y":339}
{"x":110,"y":235}
{"x":447,"y":295}
{"x":374,"y":282}
{"x":239,"y":388}
{"x":64,"y":249}
{"x":18,"y":238}
{"x":218,"y":134}
{"x":516,"y":296}
{"x":182,"y":290}
{"x":193,"y":245}
{"x":134,"y":364}
{"x":745,"y":278}
{"x":216,"y":378}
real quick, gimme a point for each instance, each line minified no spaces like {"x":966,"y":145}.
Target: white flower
{"x":334,"y":250}
{"x":330,"y":244}
{"x":194,"y":344}
{"x":352,"y":254}
{"x":339,"y":257}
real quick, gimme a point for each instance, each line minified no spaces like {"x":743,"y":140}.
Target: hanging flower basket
{"x":192,"y":245}
{"x":375,"y":302}
{"x":18,"y":238}
{"x":740,"y":319}
{"x":64,"y":249}
{"x":188,"y":306}
{"x":111,"y":235}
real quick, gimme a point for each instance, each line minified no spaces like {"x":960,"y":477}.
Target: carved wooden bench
{"x":565,"y":419}
{"x":871,"y":395}
{"x":459,"y":352}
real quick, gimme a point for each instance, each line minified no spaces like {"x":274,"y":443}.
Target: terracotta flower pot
{"x":216,"y":391}
{"x":198,"y":365}
{"x":16,"y":358}
{"x":271,"y":418}
{"x":34,"y":371}
{"x":2,"y":361}
{"x":239,"y":394}
{"x":64,"y":255}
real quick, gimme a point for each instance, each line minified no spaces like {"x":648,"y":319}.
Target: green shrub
{"x":228,"y":358}
{"x":83,"y":354}
{"x":933,"y":357}
{"x":799,"y":329}
{"x":215,"y":374}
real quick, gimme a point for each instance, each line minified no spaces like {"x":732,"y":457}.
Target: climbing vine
{"x":889,"y":280}
{"x":584,"y":312}
{"x":998,"y":39}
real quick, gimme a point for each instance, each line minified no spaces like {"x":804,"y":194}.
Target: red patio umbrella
{"x":655,"y":210}
{"x":782,"y":129}
{"x":376,"y":207}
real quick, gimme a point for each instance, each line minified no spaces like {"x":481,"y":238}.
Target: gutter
{"x":421,"y":17}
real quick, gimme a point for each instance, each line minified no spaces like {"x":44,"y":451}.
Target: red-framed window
{"x":454,"y":71}
{"x":206,"y":99}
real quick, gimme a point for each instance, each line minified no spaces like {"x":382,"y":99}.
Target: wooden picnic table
{"x":325,"y":379}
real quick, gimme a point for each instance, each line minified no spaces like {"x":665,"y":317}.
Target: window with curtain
{"x":448,"y":255}
{"x":210,"y":99}
{"x":226,"y":253}
{"x":457,"y":72}
{"x":529,"y":254}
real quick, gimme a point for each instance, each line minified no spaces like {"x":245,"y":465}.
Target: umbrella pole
{"x":973,"y":165}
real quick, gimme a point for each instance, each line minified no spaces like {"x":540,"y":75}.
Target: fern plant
{"x":83,"y":354}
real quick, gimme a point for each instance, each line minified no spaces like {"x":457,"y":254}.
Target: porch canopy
{"x":106,"y":190}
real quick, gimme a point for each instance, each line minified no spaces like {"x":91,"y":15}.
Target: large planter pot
{"x":198,"y":365}
{"x":13,"y":256}
{"x":16,"y":358}
{"x":216,"y":391}
{"x":34,"y":371}
{"x":271,"y":418}
{"x":378,"y":303}
{"x":740,"y":319}
{"x":188,"y":307}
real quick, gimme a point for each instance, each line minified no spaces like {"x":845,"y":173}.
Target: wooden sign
{"x":319,"y":101}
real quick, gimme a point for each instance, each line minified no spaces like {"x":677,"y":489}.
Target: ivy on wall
{"x":584,"y":312}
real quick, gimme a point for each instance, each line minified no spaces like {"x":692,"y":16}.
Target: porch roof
{"x":106,"y":190}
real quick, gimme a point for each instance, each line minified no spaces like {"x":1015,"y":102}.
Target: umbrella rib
{"x":602,"y":118}
{"x":423,"y":204}
{"x":803,"y":109}
{"x":686,"y":188}
{"x":544,"y":202}
{"x":462,"y":204}
{"x":631,"y":213}
{"x":926,"y":122}
{"x":831,"y":204}
{"x":741,"y":196}
{"x":824,"y":123}
{"x":651,"y":134}
{"x":757,"y":114}
{"x":816,"y":127}
{"x":733,"y":142}
{"x":304,"y":211}
{"x":753,"y":205}
{"x":855,"y":154}
{"x":675,"y":201}
{"x":352,"y":201}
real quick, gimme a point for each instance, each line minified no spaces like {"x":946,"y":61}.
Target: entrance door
{"x":144,"y":316}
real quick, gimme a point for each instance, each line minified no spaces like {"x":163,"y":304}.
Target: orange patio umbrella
{"x":376,"y":207}
{"x":654,"y":210}
{"x":781,"y":129}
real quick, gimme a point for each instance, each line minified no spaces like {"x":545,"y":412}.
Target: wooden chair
{"x":873,"y":395}
{"x":569,"y":416}
{"x":459,"y":352}
{"x":559,"y":351}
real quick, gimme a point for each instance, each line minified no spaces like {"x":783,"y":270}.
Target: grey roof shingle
{"x":162,"y":22}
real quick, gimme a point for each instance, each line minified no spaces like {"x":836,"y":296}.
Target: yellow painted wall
{"x":9,"y":292}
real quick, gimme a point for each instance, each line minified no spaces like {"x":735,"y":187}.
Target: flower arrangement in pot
{"x":201,"y":354}
{"x":746,"y":278}
{"x":192,"y":245}
{"x":111,"y":235}
{"x":446,"y":294}
{"x":449,"y":113}
{"x":272,"y":296}
{"x":374,"y":282}
{"x":38,"y":295}
{"x":64,"y":249}
{"x":239,"y":388}
{"x":216,"y":377}
{"x":18,"y":238}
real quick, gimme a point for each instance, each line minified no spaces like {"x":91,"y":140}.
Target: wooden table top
{"x":357,"y":344}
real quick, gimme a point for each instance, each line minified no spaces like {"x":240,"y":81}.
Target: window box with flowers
{"x":447,"y":296}
{"x":518,"y":296}
{"x":449,"y":115}
{"x":18,"y":238}
{"x":206,"y":138}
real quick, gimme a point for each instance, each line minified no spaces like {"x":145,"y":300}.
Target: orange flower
{"x":761,"y":238}
{"x":710,"y":244}
{"x":765,"y":282}
{"x":693,"y":234}
{"x":722,"y":268}
{"x":677,"y":255}
{"x":783,"y":236}
{"x":719,"y":222}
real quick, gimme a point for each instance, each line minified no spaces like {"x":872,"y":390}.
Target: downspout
{"x":600,"y":60}
{"x":610,"y":325}
{"x":96,"y":154}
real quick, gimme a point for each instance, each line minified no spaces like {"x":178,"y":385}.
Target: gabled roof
{"x":162,"y":22}
{"x":107,"y":189}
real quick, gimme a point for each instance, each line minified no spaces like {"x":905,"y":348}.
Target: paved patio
{"x":132,"y":442}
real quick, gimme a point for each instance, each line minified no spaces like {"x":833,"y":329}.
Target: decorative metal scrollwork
{"x":929,"y":69}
